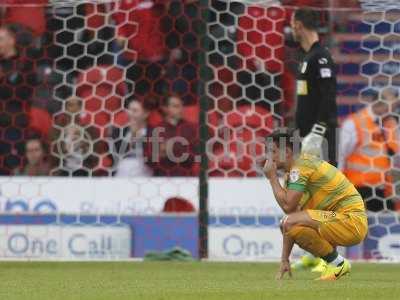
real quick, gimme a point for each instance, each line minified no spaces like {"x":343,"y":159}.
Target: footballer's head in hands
{"x":282,"y":147}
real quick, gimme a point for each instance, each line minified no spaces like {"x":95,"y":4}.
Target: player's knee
{"x":281,"y":224}
{"x":295,"y":232}
{"x":288,"y":223}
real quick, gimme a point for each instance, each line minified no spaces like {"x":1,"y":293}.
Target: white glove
{"x":312,"y":143}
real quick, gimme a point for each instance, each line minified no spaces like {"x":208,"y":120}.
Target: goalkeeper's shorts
{"x":341,"y":228}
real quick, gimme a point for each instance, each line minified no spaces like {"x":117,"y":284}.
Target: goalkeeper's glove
{"x":312,"y":143}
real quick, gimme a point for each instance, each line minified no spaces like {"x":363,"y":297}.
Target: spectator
{"x":30,"y":14}
{"x":369,"y":138}
{"x":139,"y":34}
{"x":8,"y":48}
{"x":74,"y":153}
{"x":182,"y":39}
{"x":178,"y":143}
{"x":36,"y":158}
{"x":146,"y":41}
{"x":72,"y":114}
{"x":391,"y":95}
{"x":73,"y":106}
{"x":74,"y":145}
{"x":130,"y":143}
{"x":18,"y":82}
{"x":157,"y":42}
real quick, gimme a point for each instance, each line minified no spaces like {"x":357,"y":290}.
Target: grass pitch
{"x":199,"y":280}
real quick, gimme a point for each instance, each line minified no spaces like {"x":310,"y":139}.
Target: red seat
{"x":235,"y":119}
{"x":155,"y":118}
{"x":102,"y":90}
{"x":40,"y":120}
{"x":248,"y":126}
{"x":102,"y":119}
{"x":260,"y":37}
{"x":234,"y":162}
{"x":256,"y":117}
{"x":96,"y":15}
{"x":92,"y":104}
{"x":121,"y":118}
{"x":191,"y":113}
{"x":28,"y":13}
{"x":245,"y":135}
{"x":225,"y":75}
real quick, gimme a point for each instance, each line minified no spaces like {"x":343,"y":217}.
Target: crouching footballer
{"x":323,"y":209}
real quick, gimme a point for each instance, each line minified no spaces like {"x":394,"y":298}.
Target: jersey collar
{"x":315,"y":45}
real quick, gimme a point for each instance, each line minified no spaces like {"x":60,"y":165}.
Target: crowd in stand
{"x":81,"y":81}
{"x":83,"y":72}
{"x":85,"y":89}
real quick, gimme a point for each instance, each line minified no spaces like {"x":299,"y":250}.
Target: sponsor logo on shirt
{"x":323,"y":61}
{"x":294,"y":175}
{"x":326,"y":73}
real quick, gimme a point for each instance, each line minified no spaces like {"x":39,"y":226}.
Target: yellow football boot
{"x":320,"y":267}
{"x":305,"y":262}
{"x":334,"y":273}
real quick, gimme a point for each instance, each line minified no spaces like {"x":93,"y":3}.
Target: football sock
{"x":334,"y":258}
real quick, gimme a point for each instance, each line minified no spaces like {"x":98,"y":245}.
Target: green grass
{"x":153,"y":280}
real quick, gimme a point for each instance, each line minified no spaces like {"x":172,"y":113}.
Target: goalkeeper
{"x":323,"y":208}
{"x":316,"y":111}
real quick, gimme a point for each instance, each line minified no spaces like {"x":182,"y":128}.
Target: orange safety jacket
{"x":369,"y":164}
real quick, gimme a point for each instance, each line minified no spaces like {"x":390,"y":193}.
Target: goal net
{"x":135,"y":126}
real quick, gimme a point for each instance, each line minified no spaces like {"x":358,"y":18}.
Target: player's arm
{"x":287,"y":247}
{"x":287,"y":200}
{"x":326,"y":78}
{"x":288,"y":243}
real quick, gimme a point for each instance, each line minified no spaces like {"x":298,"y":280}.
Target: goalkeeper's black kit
{"x":316,"y":94}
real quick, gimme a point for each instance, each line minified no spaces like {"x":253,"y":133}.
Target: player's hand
{"x":284,"y":268}
{"x":270,"y":168}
